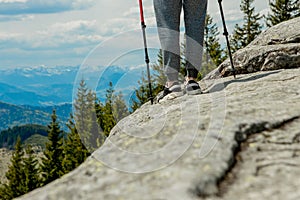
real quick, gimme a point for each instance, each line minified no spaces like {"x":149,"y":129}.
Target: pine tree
{"x":213,"y":48}
{"x":141,"y":94}
{"x":108,"y":118}
{"x":158,"y":74}
{"x":99,"y":107}
{"x":120,"y":109}
{"x":245,"y":34}
{"x":51,"y":166}
{"x":96,"y":136}
{"x":75,"y":152}
{"x":282,"y":10}
{"x":85,"y":116}
{"x":15,"y":175}
{"x":81,"y":111}
{"x":31,"y":170}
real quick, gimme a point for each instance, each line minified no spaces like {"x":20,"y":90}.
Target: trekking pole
{"x":143,"y":25}
{"x":226,"y":36}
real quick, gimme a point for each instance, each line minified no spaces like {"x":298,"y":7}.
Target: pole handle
{"x":141,"y":12}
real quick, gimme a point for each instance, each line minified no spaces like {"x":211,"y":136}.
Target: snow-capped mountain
{"x":37,"y":85}
{"x":42,"y":85}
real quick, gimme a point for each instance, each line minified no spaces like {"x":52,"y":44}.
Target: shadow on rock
{"x":221,"y":86}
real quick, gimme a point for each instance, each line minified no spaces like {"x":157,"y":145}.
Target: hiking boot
{"x":170,"y":93}
{"x":192,"y":88}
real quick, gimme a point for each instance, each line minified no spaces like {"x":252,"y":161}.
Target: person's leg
{"x":168,"y":21}
{"x":194,"y":18}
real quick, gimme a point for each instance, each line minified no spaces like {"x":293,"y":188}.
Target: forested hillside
{"x":13,"y":115}
{"x":9,"y":137}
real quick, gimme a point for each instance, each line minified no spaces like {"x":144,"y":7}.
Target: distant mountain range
{"x":15,"y":115}
{"x":44,"y":86}
{"x":37,"y":86}
{"x":29,"y":94}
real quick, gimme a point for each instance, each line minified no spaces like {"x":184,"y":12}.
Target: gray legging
{"x":168,"y":21}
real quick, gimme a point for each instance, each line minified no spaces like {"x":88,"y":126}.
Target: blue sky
{"x":64,"y":32}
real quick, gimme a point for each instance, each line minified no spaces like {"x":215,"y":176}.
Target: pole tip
{"x":234,"y":74}
{"x":151,"y":98}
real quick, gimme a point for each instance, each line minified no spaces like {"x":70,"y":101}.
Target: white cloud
{"x":6,"y":18}
{"x":118,"y":25}
{"x":132,"y":11}
{"x":17,"y":7}
{"x":60,"y":36}
{"x":43,"y":29}
{"x":129,"y":20}
{"x":8,"y":37}
{"x":79,"y":27}
{"x":82,"y":4}
{"x":67,"y":35}
{"x":13,"y":1}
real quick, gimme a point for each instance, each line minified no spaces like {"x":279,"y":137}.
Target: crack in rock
{"x":241,"y":136}
{"x":261,"y":167}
